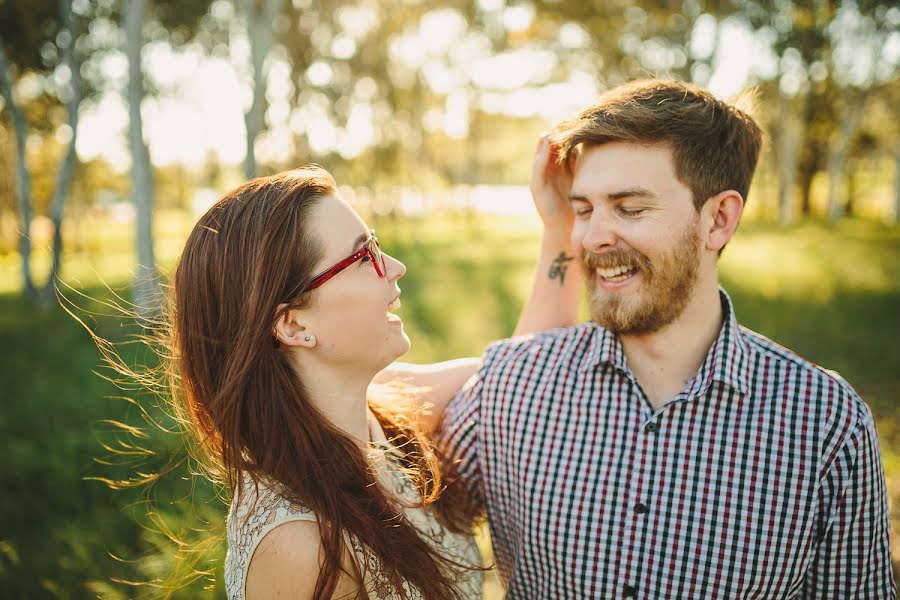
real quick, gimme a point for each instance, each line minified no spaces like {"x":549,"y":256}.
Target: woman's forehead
{"x":339,"y":226}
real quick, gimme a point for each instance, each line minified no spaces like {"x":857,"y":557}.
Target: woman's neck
{"x":340,"y":396}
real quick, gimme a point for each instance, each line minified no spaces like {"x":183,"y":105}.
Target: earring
{"x":307,"y":338}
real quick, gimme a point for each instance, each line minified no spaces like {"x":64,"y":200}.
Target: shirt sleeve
{"x":459,"y":435}
{"x":853,"y":556}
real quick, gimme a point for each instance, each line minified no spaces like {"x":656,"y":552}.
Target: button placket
{"x":640,"y":487}
{"x":646,"y":442}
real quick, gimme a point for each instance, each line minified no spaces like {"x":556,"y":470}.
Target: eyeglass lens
{"x":379,"y":256}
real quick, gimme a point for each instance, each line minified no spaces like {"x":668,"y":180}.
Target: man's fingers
{"x":554,"y":152}
{"x":541,"y":156}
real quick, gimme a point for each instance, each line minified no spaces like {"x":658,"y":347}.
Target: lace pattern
{"x":248,"y":523}
{"x":257,"y":515}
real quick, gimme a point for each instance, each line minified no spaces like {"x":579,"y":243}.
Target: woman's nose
{"x":395,"y":269}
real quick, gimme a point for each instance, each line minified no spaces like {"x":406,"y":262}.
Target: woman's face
{"x":350,"y":314}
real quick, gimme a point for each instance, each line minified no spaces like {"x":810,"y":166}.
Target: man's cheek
{"x":579,"y":230}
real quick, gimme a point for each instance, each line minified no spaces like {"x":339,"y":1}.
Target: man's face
{"x":639,"y":234}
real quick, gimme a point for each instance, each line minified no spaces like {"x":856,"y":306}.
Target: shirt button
{"x":630,"y":591}
{"x":652,"y":428}
{"x":641,"y":508}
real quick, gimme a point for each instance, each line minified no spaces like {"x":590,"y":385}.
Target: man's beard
{"x":666,"y":286}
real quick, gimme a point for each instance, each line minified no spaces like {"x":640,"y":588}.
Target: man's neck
{"x":666,"y":360}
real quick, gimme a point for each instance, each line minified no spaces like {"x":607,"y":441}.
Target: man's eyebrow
{"x":635,"y":192}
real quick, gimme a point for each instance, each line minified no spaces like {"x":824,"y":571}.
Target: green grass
{"x":829,"y":292}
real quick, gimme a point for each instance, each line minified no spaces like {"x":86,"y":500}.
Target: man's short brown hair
{"x":715,"y":145}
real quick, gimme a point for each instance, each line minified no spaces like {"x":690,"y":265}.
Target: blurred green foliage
{"x":829,"y":292}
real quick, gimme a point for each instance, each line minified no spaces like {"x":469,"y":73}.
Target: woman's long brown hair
{"x":247,"y":407}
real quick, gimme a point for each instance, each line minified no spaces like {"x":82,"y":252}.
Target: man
{"x":662,"y":450}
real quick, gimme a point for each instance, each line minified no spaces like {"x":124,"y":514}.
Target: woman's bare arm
{"x":430,"y":386}
{"x":553,"y":302}
{"x":286,"y":564}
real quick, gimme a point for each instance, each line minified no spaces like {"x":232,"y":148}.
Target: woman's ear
{"x":291,"y":329}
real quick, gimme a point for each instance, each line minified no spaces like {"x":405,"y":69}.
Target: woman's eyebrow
{"x":358,"y":241}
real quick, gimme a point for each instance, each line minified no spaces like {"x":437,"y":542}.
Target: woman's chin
{"x":404,"y":345}
{"x":397,"y":346}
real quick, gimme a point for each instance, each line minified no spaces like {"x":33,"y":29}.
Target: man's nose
{"x":599,"y":234}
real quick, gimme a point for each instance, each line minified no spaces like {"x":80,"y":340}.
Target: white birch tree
{"x":860,"y":64}
{"x":258,"y":15}
{"x":840,"y":143}
{"x":894,"y":216}
{"x":791,"y":123}
{"x":146,"y":295}
{"x":71,"y":94}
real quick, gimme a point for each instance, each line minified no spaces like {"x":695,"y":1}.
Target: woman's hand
{"x":550,"y":186}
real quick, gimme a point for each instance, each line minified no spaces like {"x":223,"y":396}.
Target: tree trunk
{"x":894,"y":216}
{"x":64,"y":175}
{"x":839,"y":152}
{"x":850,"y":185}
{"x":146,"y":291}
{"x":805,"y":185}
{"x":789,"y":135}
{"x":259,"y":30}
{"x":22,"y":177}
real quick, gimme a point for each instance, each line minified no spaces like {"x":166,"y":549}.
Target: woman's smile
{"x":394,"y":306}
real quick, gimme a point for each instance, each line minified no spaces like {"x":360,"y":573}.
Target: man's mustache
{"x":615,"y":258}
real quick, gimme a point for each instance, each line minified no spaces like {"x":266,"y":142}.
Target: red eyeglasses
{"x":370,"y":249}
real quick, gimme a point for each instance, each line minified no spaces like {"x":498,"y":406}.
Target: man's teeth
{"x":614,"y":272}
{"x":395,"y":305}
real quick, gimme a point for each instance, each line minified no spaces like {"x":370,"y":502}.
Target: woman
{"x":282,"y":317}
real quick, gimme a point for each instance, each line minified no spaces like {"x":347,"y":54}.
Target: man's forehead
{"x":623,"y":151}
{"x":622,"y":164}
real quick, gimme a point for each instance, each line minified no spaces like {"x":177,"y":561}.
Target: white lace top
{"x":249,"y":522}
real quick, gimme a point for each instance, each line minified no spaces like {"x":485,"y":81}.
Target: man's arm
{"x":555,"y":293}
{"x":459,"y":434}
{"x":853,"y":557}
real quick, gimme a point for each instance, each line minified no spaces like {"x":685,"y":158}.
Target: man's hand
{"x":555,"y":295}
{"x":550,"y":185}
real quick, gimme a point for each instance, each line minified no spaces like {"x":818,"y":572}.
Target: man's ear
{"x":292,"y":329}
{"x":720,"y":217}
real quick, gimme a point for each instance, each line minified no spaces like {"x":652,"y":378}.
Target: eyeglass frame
{"x":365,"y":250}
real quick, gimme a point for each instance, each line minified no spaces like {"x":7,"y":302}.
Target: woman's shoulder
{"x":259,"y":506}
{"x":285,"y":562}
{"x":259,"y":509}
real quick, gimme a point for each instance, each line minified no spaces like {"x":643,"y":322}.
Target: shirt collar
{"x":726,"y":361}
{"x":603,"y":347}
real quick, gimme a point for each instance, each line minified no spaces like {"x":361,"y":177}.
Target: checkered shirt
{"x":762,"y":478}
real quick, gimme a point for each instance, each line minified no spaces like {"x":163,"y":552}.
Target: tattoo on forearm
{"x":559,"y":266}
